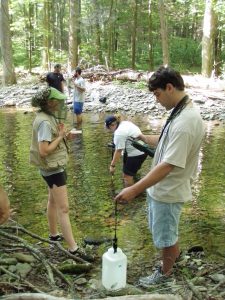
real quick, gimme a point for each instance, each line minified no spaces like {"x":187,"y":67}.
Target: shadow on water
{"x":90,"y":189}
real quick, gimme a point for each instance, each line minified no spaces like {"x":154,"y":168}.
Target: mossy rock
{"x":74,"y":268}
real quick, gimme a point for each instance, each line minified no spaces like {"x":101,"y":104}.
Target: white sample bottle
{"x":114,"y":269}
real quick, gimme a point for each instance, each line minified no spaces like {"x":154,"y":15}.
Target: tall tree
{"x":110,"y":34}
{"x":29,"y":31}
{"x":150,"y":43}
{"x":98,"y":31}
{"x":74,"y":32}
{"x":134,"y":34}
{"x":164,"y":33}
{"x":218,"y":53}
{"x":208,"y":38}
{"x":9,"y":76}
{"x":46,"y":37}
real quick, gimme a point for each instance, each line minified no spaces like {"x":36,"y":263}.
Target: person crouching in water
{"x":49,"y":152}
{"x":132,"y":158}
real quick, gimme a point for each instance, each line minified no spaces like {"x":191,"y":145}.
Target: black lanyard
{"x":176,"y":111}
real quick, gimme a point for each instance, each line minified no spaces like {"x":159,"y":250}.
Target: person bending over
{"x":132,"y":158}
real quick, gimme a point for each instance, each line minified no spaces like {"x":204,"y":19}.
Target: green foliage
{"x":185,"y":53}
{"x":184,"y":20}
{"x":122,"y":59}
{"x":20,"y":55}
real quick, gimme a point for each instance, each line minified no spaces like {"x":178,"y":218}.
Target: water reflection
{"x":90,"y":188}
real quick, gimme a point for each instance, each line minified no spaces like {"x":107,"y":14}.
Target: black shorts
{"x":132,"y":164}
{"x":59,"y":179}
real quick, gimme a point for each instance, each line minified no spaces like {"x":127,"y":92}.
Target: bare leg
{"x":169,"y":256}
{"x":79,"y":120}
{"x":4,"y":206}
{"x":52,"y":214}
{"x":60,"y":197}
{"x":128,"y":180}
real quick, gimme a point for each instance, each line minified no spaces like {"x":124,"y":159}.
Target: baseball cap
{"x":109,"y":120}
{"x":55,"y":94}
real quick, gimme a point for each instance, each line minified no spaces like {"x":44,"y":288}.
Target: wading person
{"x":49,"y":152}
{"x":55,"y":79}
{"x":4,"y":206}
{"x":175,"y":164}
{"x":132,"y":158}
{"x":78,"y":95}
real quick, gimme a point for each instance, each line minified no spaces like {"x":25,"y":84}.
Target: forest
{"x":137,"y":34}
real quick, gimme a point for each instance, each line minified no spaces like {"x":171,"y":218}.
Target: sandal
{"x":55,"y":238}
{"x":82,"y":254}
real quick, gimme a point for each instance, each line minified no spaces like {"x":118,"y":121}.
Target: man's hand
{"x":126,"y":195}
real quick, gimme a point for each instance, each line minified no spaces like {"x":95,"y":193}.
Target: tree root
{"x":31,"y":286}
{"x":14,"y":242}
{"x":35,"y":236}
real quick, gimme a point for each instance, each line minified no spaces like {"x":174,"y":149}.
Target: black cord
{"x":115,"y":229}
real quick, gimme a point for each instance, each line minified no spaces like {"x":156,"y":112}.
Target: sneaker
{"x":155,"y":278}
{"x":55,"y":238}
{"x":80,"y":253}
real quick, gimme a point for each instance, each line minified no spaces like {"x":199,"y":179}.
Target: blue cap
{"x":109,"y":120}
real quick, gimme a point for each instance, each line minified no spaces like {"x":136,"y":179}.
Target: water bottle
{"x":114,"y":269}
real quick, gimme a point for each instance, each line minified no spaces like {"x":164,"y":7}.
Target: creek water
{"x":91,"y":189}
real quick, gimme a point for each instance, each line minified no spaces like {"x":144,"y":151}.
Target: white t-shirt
{"x":179,"y":146}
{"x":125,"y":130}
{"x":78,"y":95}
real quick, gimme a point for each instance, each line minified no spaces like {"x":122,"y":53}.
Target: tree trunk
{"x":150,"y":43}
{"x":208,"y":39}
{"x":134,"y":35}
{"x":9,"y":76}
{"x":114,"y":35}
{"x":36,"y":296}
{"x":98,"y":32}
{"x":30,"y":33}
{"x":110,"y":35}
{"x":46,"y":41}
{"x":218,"y":52}
{"x":164,"y":33}
{"x":74,"y":30}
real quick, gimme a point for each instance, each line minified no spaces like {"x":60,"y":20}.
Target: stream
{"x":91,"y":189}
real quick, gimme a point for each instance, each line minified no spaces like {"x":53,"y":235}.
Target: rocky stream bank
{"x":125,"y":97}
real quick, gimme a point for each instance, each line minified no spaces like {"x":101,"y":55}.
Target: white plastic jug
{"x":114,"y":269}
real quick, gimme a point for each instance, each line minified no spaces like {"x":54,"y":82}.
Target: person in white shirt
{"x":174,"y":166}
{"x":78,"y":95}
{"x":132,"y":158}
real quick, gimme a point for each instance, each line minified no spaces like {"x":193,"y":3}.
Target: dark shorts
{"x":59,"y":179}
{"x":132,"y":164}
{"x":78,"y":107}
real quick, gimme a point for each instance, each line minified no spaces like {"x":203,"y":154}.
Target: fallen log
{"x":38,"y":296}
